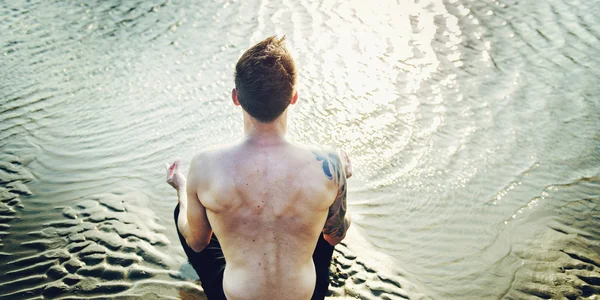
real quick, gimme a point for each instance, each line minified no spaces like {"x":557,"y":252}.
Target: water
{"x":472,"y":127}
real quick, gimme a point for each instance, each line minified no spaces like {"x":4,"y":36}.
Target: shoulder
{"x":207,"y":159}
{"x":326,"y":155}
{"x":211,"y":152}
{"x":328,"y":160}
{"x":319,"y":151}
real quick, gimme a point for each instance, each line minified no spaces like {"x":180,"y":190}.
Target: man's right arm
{"x":192,"y":221}
{"x":337,"y":222}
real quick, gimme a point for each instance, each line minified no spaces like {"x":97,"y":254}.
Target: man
{"x":277,"y":208}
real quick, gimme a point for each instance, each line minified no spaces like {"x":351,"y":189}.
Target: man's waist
{"x":269,"y":281}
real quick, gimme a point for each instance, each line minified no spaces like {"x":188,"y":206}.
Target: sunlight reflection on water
{"x":462,"y":117}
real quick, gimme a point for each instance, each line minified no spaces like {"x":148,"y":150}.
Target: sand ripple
{"x":352,"y":277}
{"x":563,"y":260}
{"x":104,"y":244}
{"x":12,"y":188}
{"x":109,"y":244}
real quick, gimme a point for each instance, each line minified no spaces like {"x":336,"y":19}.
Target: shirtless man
{"x":274,"y":205}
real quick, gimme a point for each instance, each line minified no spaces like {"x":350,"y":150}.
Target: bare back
{"x":268,"y":205}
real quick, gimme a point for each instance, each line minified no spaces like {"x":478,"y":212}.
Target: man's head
{"x":265,"y":80}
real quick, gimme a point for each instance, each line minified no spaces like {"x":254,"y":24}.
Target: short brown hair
{"x":265,"y":77}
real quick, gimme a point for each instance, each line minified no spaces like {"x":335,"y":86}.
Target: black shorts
{"x":210,"y":264}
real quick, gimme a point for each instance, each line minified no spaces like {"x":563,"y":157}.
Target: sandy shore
{"x":110,"y":246}
{"x":106,"y":245}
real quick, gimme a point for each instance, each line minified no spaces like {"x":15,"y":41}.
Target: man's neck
{"x":265,"y":133}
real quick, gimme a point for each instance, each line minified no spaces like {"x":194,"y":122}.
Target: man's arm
{"x":337,"y":222}
{"x":192,"y":222}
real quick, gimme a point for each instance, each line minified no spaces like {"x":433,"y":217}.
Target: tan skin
{"x":267,"y":200}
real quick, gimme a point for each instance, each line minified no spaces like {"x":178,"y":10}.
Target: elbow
{"x":332,"y":240}
{"x":197,"y":245}
{"x":335,"y":239}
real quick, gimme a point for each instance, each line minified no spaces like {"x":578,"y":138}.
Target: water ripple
{"x":472,"y":127}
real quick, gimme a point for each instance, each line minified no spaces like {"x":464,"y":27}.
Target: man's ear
{"x":234,"y":97}
{"x":294,"y":98}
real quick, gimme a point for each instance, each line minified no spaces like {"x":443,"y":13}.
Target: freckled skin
{"x":268,"y":204}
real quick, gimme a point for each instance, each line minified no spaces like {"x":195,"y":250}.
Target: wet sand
{"x":562,"y":260}
{"x":107,"y":246}
{"x":99,"y":246}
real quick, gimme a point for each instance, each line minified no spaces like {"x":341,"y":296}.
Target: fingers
{"x":168,"y":169}
{"x":346,"y":163}
{"x":348,"y":170}
{"x":174,"y":176}
{"x":173,"y":168}
{"x":176,"y":165}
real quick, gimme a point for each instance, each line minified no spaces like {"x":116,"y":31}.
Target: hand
{"x":346,"y":163}
{"x":174,"y":176}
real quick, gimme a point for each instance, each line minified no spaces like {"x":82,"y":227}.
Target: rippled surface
{"x":472,"y":125}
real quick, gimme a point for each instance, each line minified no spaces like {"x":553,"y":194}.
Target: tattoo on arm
{"x":336,"y":223}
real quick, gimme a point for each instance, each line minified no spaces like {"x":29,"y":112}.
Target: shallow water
{"x":472,"y":127}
